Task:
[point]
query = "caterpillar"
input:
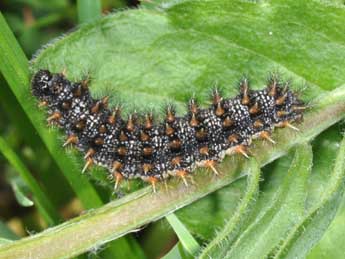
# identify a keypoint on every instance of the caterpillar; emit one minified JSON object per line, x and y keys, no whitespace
{"x":140,"y":147}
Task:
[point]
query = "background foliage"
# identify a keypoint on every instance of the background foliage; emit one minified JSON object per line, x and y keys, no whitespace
{"x":165,"y":52}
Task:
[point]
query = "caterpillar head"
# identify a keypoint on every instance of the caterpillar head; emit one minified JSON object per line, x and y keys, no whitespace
{"x":46,"y":85}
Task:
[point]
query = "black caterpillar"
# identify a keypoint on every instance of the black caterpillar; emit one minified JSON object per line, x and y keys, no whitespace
{"x":140,"y":148}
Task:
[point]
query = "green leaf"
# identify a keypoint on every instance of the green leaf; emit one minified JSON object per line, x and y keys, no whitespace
{"x":272,"y":225}
{"x":298,"y":238}
{"x":186,"y":239}
{"x":328,"y":247}
{"x":325,"y":149}
{"x":214,"y":209}
{"x":20,"y":195}
{"x":311,"y":228}
{"x":236,"y":224}
{"x":155,"y":57}
{"x":330,"y":244}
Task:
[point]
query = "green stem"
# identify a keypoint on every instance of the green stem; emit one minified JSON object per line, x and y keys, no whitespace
{"x":252,"y":191}
{"x":128,"y":214}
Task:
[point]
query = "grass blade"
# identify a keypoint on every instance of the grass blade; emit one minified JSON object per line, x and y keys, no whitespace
{"x":43,"y":203}
{"x":186,"y":239}
{"x":177,"y":252}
